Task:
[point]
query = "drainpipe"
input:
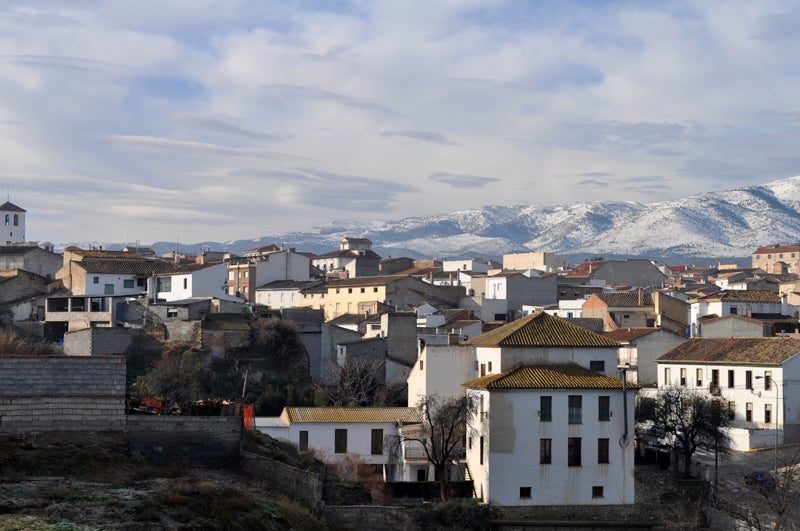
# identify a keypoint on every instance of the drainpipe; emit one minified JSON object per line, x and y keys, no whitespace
{"x":624,"y":403}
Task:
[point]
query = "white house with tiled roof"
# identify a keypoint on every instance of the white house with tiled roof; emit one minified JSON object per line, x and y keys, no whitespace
{"x":337,"y":433}
{"x":551,"y":434}
{"x":736,"y":302}
{"x":757,"y":381}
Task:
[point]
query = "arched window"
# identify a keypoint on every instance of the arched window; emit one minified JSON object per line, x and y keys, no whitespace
{"x":7,"y":219}
{"x":16,"y":219}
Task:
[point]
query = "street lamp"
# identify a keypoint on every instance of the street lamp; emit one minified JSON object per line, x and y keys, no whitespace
{"x":777,"y":397}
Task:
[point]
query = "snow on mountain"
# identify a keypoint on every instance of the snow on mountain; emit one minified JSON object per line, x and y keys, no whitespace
{"x":714,"y":224}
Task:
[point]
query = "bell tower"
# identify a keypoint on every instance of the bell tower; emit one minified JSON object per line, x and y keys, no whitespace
{"x":12,"y":224}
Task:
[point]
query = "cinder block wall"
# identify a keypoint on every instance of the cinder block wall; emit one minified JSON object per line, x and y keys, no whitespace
{"x":62,"y":393}
{"x":101,"y":341}
{"x":209,"y":441}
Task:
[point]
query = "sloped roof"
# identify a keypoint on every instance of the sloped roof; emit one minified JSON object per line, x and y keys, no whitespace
{"x":556,"y":376}
{"x":540,"y":329}
{"x":749,"y":351}
{"x":408,"y":415}
{"x":98,"y":253}
{"x":778,"y":249}
{"x":625,"y":335}
{"x":362,"y":254}
{"x":742,"y":295}
{"x":11,"y":207}
{"x":189,"y":268}
{"x":126,"y":267}
{"x":625,"y":298}
{"x":584,"y":269}
{"x":290,"y":284}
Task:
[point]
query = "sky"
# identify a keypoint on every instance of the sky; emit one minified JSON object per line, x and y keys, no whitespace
{"x":201,"y":120}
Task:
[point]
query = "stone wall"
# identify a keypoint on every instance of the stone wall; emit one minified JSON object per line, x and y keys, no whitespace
{"x":60,"y":393}
{"x":208,"y":441}
{"x":295,"y":482}
{"x":372,"y":517}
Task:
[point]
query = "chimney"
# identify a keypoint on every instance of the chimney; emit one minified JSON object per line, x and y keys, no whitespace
{"x":640,"y":297}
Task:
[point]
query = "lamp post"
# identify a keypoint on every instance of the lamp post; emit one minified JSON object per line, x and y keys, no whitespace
{"x":777,"y":405}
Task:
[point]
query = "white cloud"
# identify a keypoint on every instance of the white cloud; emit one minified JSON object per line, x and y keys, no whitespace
{"x":223,"y":120}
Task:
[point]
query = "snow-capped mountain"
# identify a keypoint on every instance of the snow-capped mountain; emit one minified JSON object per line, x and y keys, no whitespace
{"x":731,"y":223}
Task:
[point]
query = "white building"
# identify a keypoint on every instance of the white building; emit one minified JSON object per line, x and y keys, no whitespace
{"x":196,"y":280}
{"x":292,"y":294}
{"x":335,"y":433}
{"x":749,"y":303}
{"x":13,"y":219}
{"x":475,"y":265}
{"x":757,"y":381}
{"x":579,"y":422}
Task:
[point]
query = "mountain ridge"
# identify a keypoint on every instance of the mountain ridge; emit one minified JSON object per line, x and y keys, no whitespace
{"x":730,"y":223}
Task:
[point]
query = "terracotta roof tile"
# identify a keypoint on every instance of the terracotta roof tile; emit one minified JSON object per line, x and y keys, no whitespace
{"x":741,"y":295}
{"x":749,"y":351}
{"x":128,"y":267}
{"x":779,"y":249}
{"x":625,"y":298}
{"x":625,"y":335}
{"x":557,"y":376}
{"x":541,"y":330}
{"x":408,"y":415}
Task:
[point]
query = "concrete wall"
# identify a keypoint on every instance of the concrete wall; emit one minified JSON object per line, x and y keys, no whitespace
{"x":372,"y":517}
{"x":297,"y":483}
{"x":101,"y":341}
{"x":211,"y":441}
{"x":59,"y":393}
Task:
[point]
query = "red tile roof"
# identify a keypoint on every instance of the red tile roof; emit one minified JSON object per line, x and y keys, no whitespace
{"x":748,"y":351}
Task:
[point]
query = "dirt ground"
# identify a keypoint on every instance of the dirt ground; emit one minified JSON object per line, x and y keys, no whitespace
{"x":71,"y":485}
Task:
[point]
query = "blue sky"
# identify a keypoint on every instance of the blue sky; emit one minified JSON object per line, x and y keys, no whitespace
{"x":216,"y":120}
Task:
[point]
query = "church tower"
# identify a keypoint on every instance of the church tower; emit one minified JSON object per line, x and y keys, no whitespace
{"x":12,"y":222}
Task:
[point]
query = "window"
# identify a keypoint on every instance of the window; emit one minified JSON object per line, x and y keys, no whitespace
{"x":699,"y":377}
{"x":767,"y":413}
{"x":95,"y":280}
{"x":748,"y":413}
{"x":574,"y":451}
{"x":340,"y":441}
{"x":16,"y":219}
{"x":302,"y":443}
{"x":422,"y":365}
{"x":490,"y":366}
{"x":597,"y":366}
{"x":545,"y":451}
{"x":731,"y":380}
{"x":748,"y":379}
{"x":363,"y":289}
{"x":108,"y":289}
{"x":597,"y":491}
{"x":127,"y":283}
{"x":337,"y":290}
{"x":602,"y":451}
{"x":604,"y":408}
{"x":483,"y":369}
{"x":575,"y":405}
{"x":545,"y":408}
{"x":767,"y":380}
{"x":377,"y":441}
{"x":480,"y":449}
{"x":731,"y":410}
{"x":683,"y":377}
{"x":374,"y":290}
{"x":667,"y":376}
{"x":349,"y":290}
{"x":715,"y":378}
{"x":734,"y":310}
{"x":165,"y":284}
{"x":525,"y":492}
{"x":172,"y":312}
{"x":185,"y":283}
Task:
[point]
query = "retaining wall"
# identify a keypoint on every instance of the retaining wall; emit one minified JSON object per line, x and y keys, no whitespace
{"x":208,"y":441}
{"x":298,"y":483}
{"x":371,"y":517}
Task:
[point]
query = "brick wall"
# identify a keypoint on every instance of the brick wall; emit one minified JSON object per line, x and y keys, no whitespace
{"x":60,"y":393}
{"x":208,"y":441}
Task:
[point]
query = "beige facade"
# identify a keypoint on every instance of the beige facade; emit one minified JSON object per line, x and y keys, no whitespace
{"x":778,"y":259}
{"x":535,"y":260}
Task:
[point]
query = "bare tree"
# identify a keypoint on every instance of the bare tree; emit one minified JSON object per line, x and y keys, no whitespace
{"x":362,"y":382}
{"x":441,"y":434}
{"x":693,"y":419}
